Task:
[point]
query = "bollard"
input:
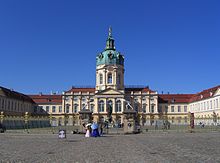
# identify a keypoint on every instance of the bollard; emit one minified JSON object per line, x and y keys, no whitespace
{"x":2,"y":117}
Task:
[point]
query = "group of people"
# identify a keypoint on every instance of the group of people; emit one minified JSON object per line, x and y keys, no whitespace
{"x":92,"y":130}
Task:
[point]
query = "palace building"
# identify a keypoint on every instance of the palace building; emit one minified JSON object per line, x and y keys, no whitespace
{"x":110,"y":98}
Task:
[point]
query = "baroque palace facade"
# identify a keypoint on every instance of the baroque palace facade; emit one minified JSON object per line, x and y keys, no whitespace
{"x":110,"y":98}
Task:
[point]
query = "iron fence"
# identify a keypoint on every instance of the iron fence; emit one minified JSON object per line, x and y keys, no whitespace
{"x":51,"y":124}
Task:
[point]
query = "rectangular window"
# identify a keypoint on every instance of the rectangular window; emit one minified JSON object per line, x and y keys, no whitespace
{"x":172,"y":108}
{"x":152,"y":108}
{"x":2,"y":103}
{"x":144,"y":108}
{"x":67,"y":108}
{"x":185,"y":108}
{"x":35,"y":109}
{"x":216,"y":103}
{"x":12,"y":105}
{"x":47,"y":109}
{"x":100,"y":79}
{"x":9,"y":105}
{"x":75,"y":108}
{"x":53,"y":109}
{"x":60,"y":109}
{"x":179,"y":108}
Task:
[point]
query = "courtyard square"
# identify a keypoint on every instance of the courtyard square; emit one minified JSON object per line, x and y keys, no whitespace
{"x":149,"y":147}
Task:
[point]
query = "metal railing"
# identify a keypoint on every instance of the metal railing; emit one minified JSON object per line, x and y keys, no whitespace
{"x":52,"y":124}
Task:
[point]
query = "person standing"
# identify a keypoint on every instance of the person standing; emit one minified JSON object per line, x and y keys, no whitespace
{"x":88,"y":129}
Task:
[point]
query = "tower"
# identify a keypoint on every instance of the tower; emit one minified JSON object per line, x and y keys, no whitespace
{"x":109,"y":67}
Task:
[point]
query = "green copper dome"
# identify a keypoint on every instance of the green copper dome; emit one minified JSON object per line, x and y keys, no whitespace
{"x":109,"y":55}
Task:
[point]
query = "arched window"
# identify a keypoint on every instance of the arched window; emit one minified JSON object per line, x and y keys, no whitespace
{"x":109,"y":78}
{"x":75,"y":108}
{"x":144,"y":108}
{"x":67,"y":108}
{"x":100,"y":79}
{"x":101,"y":106}
{"x":118,"y":106}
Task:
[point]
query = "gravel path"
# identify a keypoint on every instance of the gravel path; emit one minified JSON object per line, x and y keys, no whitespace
{"x":150,"y":147}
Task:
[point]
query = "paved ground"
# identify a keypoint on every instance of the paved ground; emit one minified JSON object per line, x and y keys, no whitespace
{"x":150,"y":147}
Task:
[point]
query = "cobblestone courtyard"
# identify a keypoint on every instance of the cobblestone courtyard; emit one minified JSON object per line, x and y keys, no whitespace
{"x":149,"y":147}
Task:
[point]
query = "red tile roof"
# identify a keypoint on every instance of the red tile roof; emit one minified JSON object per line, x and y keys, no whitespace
{"x":204,"y":94}
{"x":144,"y":89}
{"x":174,"y":98}
{"x":92,"y":90}
{"x":186,"y":98}
{"x":47,"y":99}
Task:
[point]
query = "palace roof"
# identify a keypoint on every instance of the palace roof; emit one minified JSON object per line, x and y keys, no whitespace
{"x":187,"y":98}
{"x":77,"y":89}
{"x":141,"y":89}
{"x":205,"y":94}
{"x":174,"y":98}
{"x":14,"y":95}
{"x":47,"y":99}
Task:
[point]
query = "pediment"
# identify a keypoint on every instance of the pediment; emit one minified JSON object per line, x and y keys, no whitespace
{"x":110,"y":91}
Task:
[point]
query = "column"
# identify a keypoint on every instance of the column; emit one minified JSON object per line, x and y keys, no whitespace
{"x":80,"y":103}
{"x":105,"y":108}
{"x":114,"y":105}
{"x":122,"y":105}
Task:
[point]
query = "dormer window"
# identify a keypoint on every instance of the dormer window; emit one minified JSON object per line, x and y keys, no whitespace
{"x":211,"y":93}
{"x":110,"y":55}
{"x":201,"y":96}
{"x":100,"y":56}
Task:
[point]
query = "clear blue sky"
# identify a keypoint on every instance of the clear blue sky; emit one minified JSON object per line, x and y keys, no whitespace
{"x":51,"y":45}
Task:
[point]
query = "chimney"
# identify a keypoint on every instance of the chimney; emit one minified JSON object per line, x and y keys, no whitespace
{"x":40,"y":93}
